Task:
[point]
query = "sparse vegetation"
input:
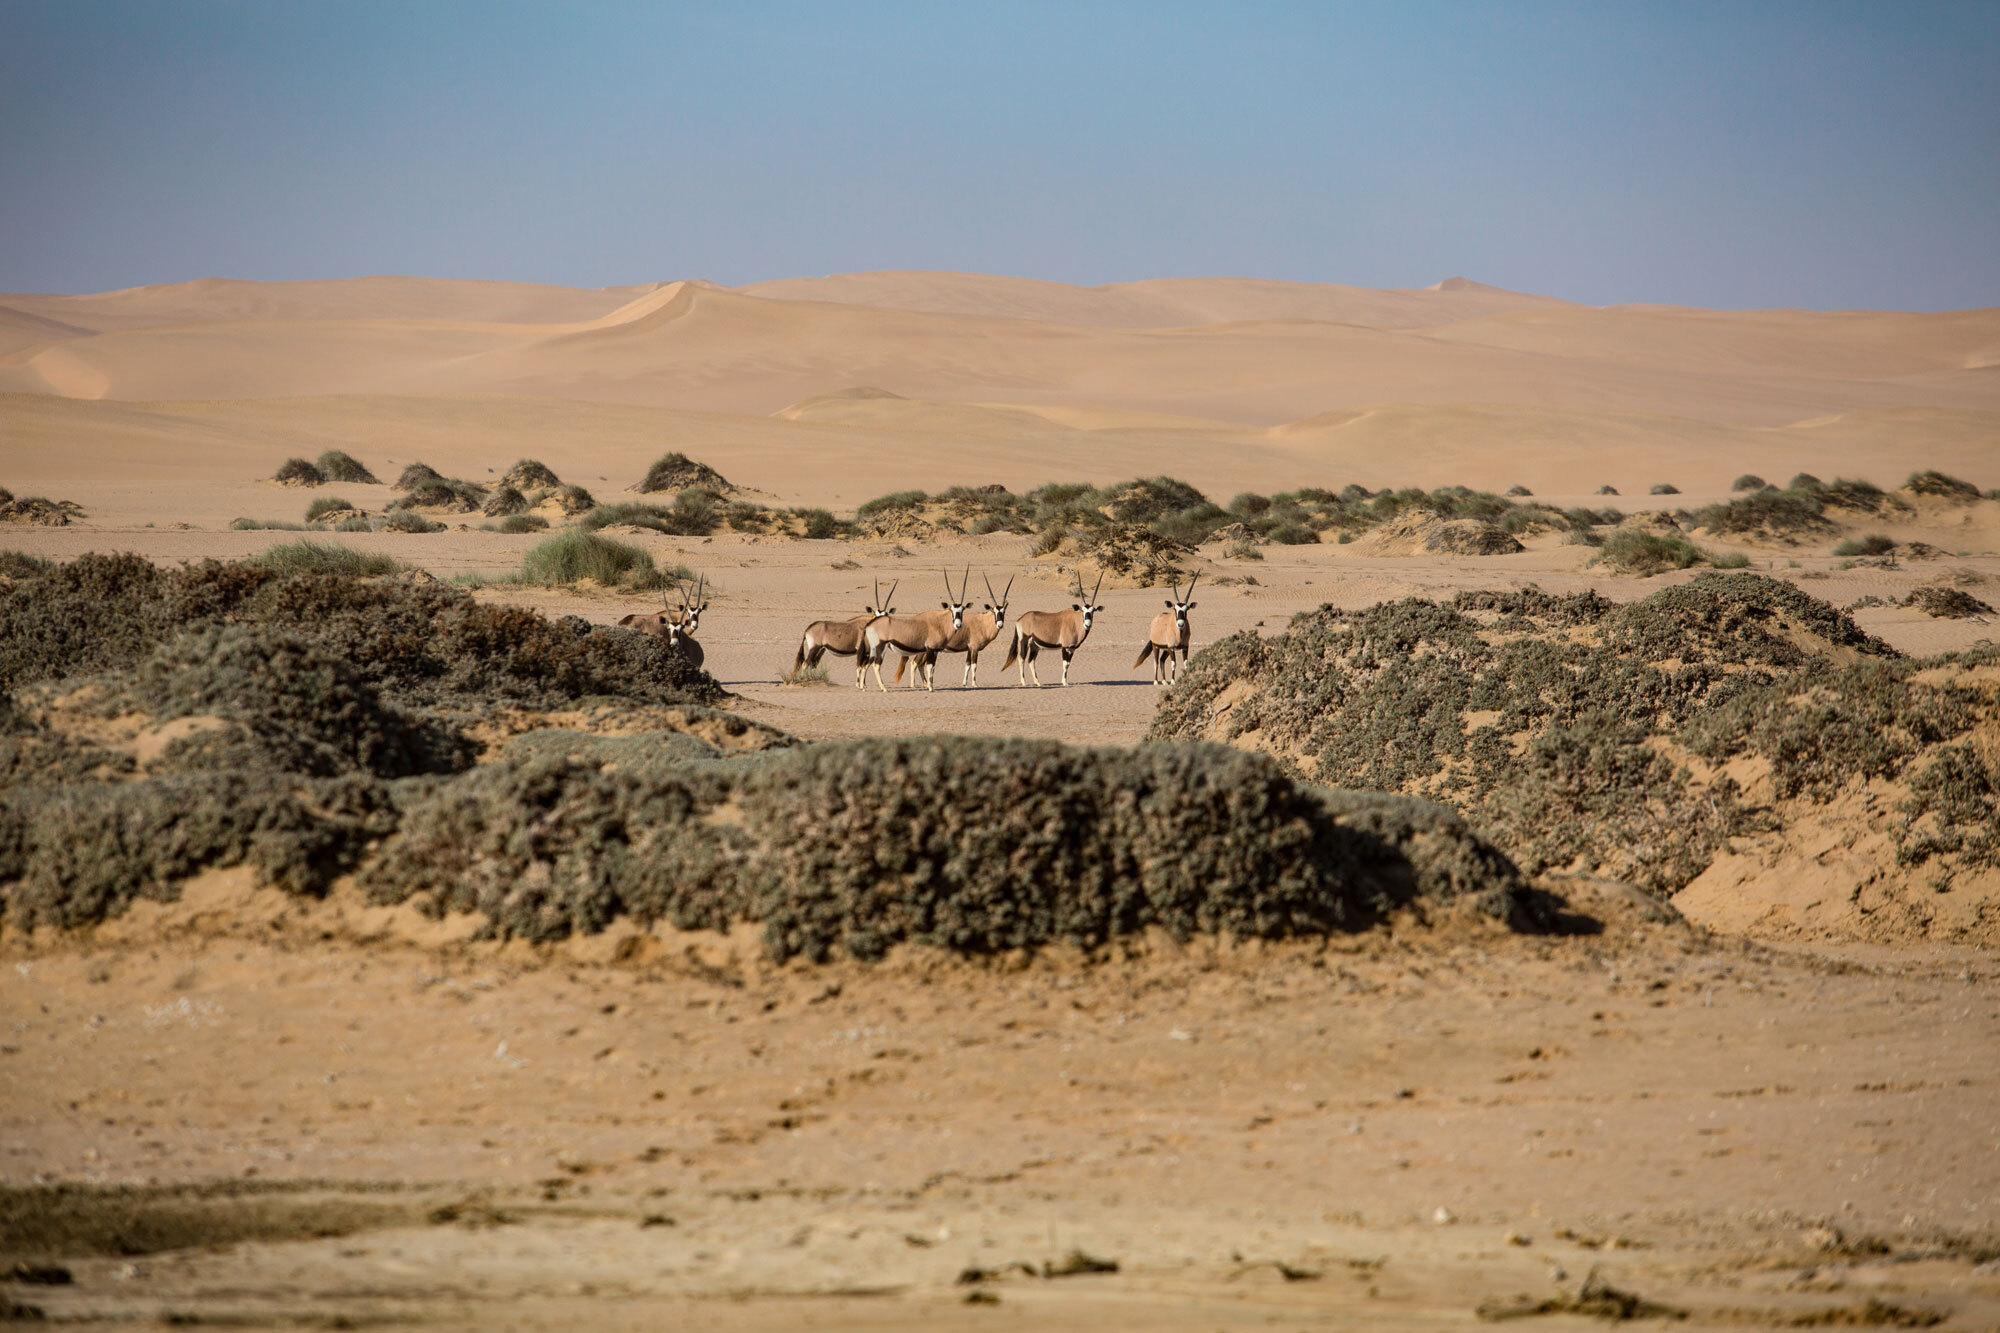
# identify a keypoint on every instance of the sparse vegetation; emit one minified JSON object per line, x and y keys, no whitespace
{"x":676,"y":471}
{"x":1781,"y":515}
{"x":505,"y":502}
{"x":327,"y":505}
{"x":334,"y":465}
{"x":1941,"y":485}
{"x":1631,"y":551}
{"x":1947,"y":603}
{"x":517,"y":524}
{"x":311,"y":557}
{"x":415,"y":475}
{"x":298,"y":472}
{"x":403,"y":520}
{"x":1663,"y":488}
{"x":1874,"y":544}
{"x":530,"y":475}
{"x":1750,"y":481}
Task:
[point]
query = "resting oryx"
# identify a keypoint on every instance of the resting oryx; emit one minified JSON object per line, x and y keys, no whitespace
{"x":677,"y":627}
{"x":1167,"y":640}
{"x":844,"y":637}
{"x":980,"y":629}
{"x":1061,"y":630}
{"x":920,"y":636}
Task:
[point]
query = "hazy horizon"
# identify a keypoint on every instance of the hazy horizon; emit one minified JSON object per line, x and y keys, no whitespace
{"x":1826,"y":156}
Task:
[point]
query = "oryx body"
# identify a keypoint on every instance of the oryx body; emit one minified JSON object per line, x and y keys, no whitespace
{"x":1167,"y":639}
{"x":980,"y":629}
{"x":1064,"y":631}
{"x":676,"y":624}
{"x":920,"y":636}
{"x":845,"y":638}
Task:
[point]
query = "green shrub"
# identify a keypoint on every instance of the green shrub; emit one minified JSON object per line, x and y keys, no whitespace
{"x":335,"y":465}
{"x":20,"y":565}
{"x":1863,"y":496}
{"x":1632,"y":551}
{"x":1518,"y":492}
{"x":1663,"y":488}
{"x":571,"y":556}
{"x":1873,"y":544}
{"x":1145,"y":499}
{"x":1805,"y":481}
{"x":516,"y":524}
{"x":416,"y":474}
{"x":574,"y":500}
{"x":676,"y":471}
{"x":406,"y":520}
{"x":505,"y":502}
{"x":1783,"y":514}
{"x":974,"y":844}
{"x":463,"y":497}
{"x":1750,"y":481}
{"x":819,"y":524}
{"x":530,"y":475}
{"x":1947,"y":603}
{"x":311,"y":557}
{"x":1940,"y":484}
{"x":1249,"y":504}
{"x":1730,"y":560}
{"x":264,"y":524}
{"x":328,"y":504}
{"x":356,"y":522}
{"x":1293,"y":534}
{"x":894,"y":502}
{"x":299,"y":472}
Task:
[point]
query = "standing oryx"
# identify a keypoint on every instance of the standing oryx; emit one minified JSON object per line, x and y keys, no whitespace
{"x":1061,"y":630}
{"x":920,"y":636}
{"x":980,"y":629}
{"x":677,"y":627}
{"x":1167,"y":640}
{"x":844,"y":637}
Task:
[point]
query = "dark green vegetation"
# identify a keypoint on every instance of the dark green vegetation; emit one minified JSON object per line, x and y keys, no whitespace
{"x":1666,"y":488}
{"x":1633,"y":551}
{"x":299,"y":472}
{"x":329,"y":504}
{"x":311,"y":557}
{"x":1577,"y":733}
{"x":1874,"y":544}
{"x":1750,"y":481}
{"x":573,"y":555}
{"x":676,"y":471}
{"x":1948,"y":603}
{"x":334,"y":465}
{"x":314,"y":724}
{"x":1940,"y":484}
{"x":973,"y":844}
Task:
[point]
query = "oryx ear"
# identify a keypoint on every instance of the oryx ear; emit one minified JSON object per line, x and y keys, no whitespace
{"x":945,"y":605}
{"x":1193,"y":605}
{"x":1170,"y":604}
{"x":1076,"y":606}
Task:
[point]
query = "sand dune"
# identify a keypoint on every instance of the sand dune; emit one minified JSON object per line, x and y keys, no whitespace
{"x":829,"y":390}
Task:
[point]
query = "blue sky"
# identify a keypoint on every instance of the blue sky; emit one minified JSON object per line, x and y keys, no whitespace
{"x":1819,"y":154}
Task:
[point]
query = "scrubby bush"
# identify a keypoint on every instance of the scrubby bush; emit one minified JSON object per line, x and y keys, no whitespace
{"x":21,"y":565}
{"x":1940,"y":484}
{"x":979,"y":845}
{"x":1749,"y":481}
{"x":416,"y":474}
{"x":1607,"y":490}
{"x":1873,"y":544}
{"x":505,"y":502}
{"x":1632,"y":551}
{"x":516,"y":524}
{"x":676,"y":471}
{"x":1781,"y":514}
{"x":1663,"y":488}
{"x":1863,"y":496}
{"x":895,"y":501}
{"x":335,"y":465}
{"x":1729,"y":560}
{"x":328,"y":504}
{"x":1293,"y":534}
{"x":356,"y":522}
{"x":818,"y":524}
{"x":462,"y":497}
{"x":569,"y":557}
{"x":1948,"y":603}
{"x":299,"y":472}
{"x":405,"y":520}
{"x":1518,"y":492}
{"x":264,"y":524}
{"x":530,"y":475}
{"x":574,"y":500}
{"x":311,"y":557}
{"x":1805,"y":481}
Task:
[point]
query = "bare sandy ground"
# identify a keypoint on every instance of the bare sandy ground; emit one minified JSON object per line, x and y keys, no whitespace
{"x":334,"y":1113}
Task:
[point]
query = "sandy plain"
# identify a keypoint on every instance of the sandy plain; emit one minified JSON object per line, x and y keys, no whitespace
{"x":332,"y":1112}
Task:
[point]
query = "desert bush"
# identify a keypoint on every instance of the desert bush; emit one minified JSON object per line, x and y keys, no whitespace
{"x":21,"y":565}
{"x":530,"y":475}
{"x":1781,"y":514}
{"x":1947,"y":603}
{"x":1242,"y":550}
{"x":1607,"y":490}
{"x":1933,"y":482}
{"x":893,"y":502}
{"x":1863,"y":496}
{"x":1663,"y":488}
{"x":298,"y":472}
{"x":356,"y":522}
{"x":1145,"y":499}
{"x":676,"y":471}
{"x":1632,"y":551}
{"x":311,"y":557}
{"x":505,"y":502}
{"x":819,"y":524}
{"x":980,"y":845}
{"x":1729,"y":560}
{"x":416,"y":474}
{"x":574,"y":500}
{"x":516,"y":524}
{"x":335,"y":465}
{"x":569,"y":557}
{"x":404,"y":520}
{"x":1749,"y":481}
{"x":1249,"y":504}
{"x":328,"y":504}
{"x":263,"y":525}
{"x":1874,"y":543}
{"x":1518,"y":492}
{"x":1805,"y":481}
{"x":1293,"y":534}
{"x":462,"y":497}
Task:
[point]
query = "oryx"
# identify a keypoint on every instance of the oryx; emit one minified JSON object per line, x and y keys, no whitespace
{"x":677,"y":627}
{"x":1167,"y":640}
{"x":980,"y":629}
{"x":844,"y":637}
{"x":1061,"y":630}
{"x":920,"y":636}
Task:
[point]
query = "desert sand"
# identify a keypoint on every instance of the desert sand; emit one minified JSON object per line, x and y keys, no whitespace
{"x":1751,"y":1112}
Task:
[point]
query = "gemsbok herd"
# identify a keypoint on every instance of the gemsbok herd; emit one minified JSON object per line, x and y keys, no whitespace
{"x":954,"y":627}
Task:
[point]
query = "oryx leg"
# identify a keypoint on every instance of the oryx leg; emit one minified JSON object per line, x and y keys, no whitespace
{"x":1033,"y":651}
{"x":1067,"y":654}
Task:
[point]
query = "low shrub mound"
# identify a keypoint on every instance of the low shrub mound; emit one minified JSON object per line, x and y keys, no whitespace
{"x":1942,"y":485}
{"x":397,"y":520}
{"x":37,"y":510}
{"x":529,"y":476}
{"x":1874,"y":544}
{"x":311,"y":557}
{"x":416,"y":474}
{"x":1607,"y":490}
{"x":1664,"y":488}
{"x":1863,"y":497}
{"x":446,"y":493}
{"x":979,"y":845}
{"x":505,"y":502}
{"x":1518,"y":492}
{"x":1777,"y":515}
{"x":574,"y":500}
{"x":299,"y":472}
{"x":1749,"y":481}
{"x":1947,"y":603}
{"x":1635,"y":551}
{"x":335,"y":465}
{"x":676,"y":471}
{"x":1550,"y":721}
{"x":1424,"y":530}
{"x":516,"y":524}
{"x":569,"y":557}
{"x":329,"y":506}
{"x":692,"y":514}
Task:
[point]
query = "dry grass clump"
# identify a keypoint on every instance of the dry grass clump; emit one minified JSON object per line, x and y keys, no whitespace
{"x":1774,"y":514}
{"x":1874,"y":544}
{"x":37,"y":510}
{"x":529,"y":475}
{"x":447,"y":493}
{"x":328,"y":506}
{"x":1633,"y":551}
{"x":517,"y":524}
{"x":676,"y":471}
{"x":1942,"y":485}
{"x":398,"y":520}
{"x":980,"y":845}
{"x":311,"y":557}
{"x":505,"y":502}
{"x":415,"y":474}
{"x":1947,"y":603}
{"x":299,"y":472}
{"x":1664,"y":488}
{"x":334,"y":465}
{"x":1542,"y":717}
{"x":1750,"y":481}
